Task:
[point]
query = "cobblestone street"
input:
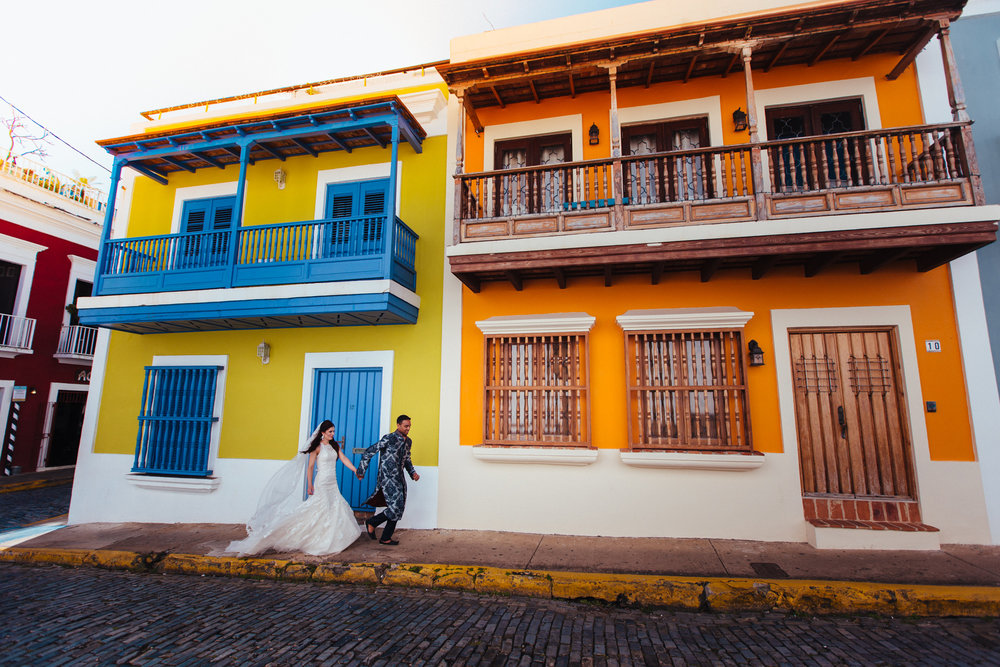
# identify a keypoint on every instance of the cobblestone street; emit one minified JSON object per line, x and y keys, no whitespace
{"x":57,"y":616}
{"x":19,"y":508}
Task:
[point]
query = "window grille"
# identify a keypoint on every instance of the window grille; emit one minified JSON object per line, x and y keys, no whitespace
{"x":537,"y":390}
{"x":175,"y":420}
{"x":687,"y":391}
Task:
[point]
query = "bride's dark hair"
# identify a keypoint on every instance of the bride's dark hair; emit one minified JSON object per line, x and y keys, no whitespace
{"x":318,"y":438}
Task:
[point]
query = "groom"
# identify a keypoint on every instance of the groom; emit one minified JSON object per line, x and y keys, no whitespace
{"x":394,"y":456}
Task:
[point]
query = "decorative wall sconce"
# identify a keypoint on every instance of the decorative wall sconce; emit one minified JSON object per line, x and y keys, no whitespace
{"x":279,"y":178}
{"x":740,"y":120}
{"x":756,"y":354}
{"x":32,"y":391}
{"x":595,"y":135}
{"x":264,"y":353}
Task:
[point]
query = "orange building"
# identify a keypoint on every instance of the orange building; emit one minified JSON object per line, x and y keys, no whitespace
{"x":700,"y":278}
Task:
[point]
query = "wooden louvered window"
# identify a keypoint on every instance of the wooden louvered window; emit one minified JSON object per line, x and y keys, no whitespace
{"x":537,"y":390}
{"x":687,"y":391}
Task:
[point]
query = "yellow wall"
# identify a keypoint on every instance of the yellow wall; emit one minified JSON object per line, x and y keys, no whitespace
{"x":899,"y":101}
{"x":262,"y":403}
{"x":927,"y":294}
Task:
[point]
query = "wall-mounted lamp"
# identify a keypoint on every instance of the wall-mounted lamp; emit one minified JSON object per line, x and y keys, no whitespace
{"x":740,"y":120}
{"x":595,"y":135}
{"x":756,"y":354}
{"x":264,"y":352}
{"x":32,"y":391}
{"x":279,"y":178}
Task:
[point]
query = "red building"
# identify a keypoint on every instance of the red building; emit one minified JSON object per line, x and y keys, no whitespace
{"x":49,"y":232}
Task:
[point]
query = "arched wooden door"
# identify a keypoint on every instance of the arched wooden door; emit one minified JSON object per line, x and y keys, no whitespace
{"x":850,"y":414}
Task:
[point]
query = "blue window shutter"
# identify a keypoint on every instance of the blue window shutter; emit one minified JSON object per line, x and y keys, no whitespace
{"x":194,"y":214}
{"x":175,"y":420}
{"x":202,"y":215}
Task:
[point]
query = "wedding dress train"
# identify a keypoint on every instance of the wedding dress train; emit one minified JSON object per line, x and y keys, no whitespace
{"x":321,"y":524}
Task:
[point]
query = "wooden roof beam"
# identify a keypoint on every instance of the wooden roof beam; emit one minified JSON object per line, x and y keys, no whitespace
{"x":470,"y":111}
{"x":272,"y":151}
{"x":470,"y":281}
{"x":211,"y":161}
{"x":912,"y":53}
{"x":732,"y":62}
{"x":877,"y":260}
{"x":820,"y":262}
{"x":382,"y":144}
{"x":149,"y":171}
{"x":500,"y":99}
{"x":657,"y":272}
{"x":560,"y":277}
{"x":572,"y":87}
{"x":649,"y":75}
{"x":827,"y":47}
{"x":777,"y":56}
{"x":709,"y":268}
{"x":514,"y":279}
{"x":306,"y":147}
{"x":687,"y":75}
{"x":762,"y":266}
{"x":870,"y":45}
{"x":534,"y":93}
{"x":337,"y":141}
{"x":177,"y":163}
{"x":932,"y":260}
{"x":231,"y":150}
{"x":608,"y":276}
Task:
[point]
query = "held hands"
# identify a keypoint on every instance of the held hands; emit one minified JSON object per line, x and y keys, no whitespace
{"x":309,"y":490}
{"x":416,"y":477}
{"x":358,"y":475}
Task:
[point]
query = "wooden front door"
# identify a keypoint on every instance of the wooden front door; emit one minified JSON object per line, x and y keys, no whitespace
{"x":850,"y":414}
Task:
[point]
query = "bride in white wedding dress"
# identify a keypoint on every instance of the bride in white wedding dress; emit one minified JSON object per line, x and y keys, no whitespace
{"x":316,"y":522}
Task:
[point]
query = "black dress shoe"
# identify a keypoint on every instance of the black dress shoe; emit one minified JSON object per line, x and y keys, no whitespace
{"x":370,"y":529}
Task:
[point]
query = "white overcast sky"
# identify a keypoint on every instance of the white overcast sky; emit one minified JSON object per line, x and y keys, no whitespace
{"x":86,"y":69}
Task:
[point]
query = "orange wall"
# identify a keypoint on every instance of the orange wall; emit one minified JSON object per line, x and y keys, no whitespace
{"x":899,"y":101}
{"x":928,"y":295}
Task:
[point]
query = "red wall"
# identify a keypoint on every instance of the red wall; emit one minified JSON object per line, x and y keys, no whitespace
{"x":47,"y":305}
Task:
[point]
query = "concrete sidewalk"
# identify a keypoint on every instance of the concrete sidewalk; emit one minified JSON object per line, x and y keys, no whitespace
{"x":691,"y":574}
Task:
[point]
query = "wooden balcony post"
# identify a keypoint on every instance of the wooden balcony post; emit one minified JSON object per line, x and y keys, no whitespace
{"x":109,"y":218}
{"x":760,"y":195}
{"x":390,"y":224}
{"x":459,"y":166}
{"x":618,"y":191}
{"x":959,"y":113}
{"x":241,"y":188}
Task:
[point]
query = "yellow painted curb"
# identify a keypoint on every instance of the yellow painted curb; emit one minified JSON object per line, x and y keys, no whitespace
{"x":33,"y":484}
{"x":687,"y":593}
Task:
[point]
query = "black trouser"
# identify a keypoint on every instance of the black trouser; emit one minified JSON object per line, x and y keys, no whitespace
{"x":390,"y":525}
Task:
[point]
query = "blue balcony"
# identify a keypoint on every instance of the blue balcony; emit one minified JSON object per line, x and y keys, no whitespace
{"x":280,"y":254}
{"x":338,"y":271}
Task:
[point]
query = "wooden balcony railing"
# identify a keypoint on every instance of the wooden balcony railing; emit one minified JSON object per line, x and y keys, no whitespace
{"x":899,"y":168}
{"x":284,"y":253}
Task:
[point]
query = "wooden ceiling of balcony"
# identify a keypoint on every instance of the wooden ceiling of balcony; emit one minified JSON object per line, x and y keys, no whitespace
{"x":790,"y":37}
{"x":926,"y":247}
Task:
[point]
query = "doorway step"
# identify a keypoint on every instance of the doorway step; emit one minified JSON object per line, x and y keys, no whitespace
{"x":852,"y":523}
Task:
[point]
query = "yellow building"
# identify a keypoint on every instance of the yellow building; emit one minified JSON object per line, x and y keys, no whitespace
{"x":276,"y":259}
{"x":701,"y":281}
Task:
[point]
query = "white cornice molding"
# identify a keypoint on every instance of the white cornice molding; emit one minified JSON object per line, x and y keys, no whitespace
{"x":537,"y":324}
{"x":566,"y":456}
{"x":19,"y":249}
{"x":48,"y":219}
{"x":668,"y":319}
{"x":429,"y":108}
{"x":83,"y":264}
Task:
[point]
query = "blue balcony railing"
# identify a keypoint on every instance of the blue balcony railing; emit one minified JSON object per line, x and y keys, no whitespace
{"x":278,"y":254}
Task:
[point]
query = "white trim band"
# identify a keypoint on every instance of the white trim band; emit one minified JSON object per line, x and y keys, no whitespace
{"x":684,"y":318}
{"x":537,"y":324}
{"x":189,"y":484}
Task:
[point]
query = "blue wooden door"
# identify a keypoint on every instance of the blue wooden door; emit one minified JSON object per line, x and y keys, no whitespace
{"x":357,"y":214}
{"x":351,"y":398}
{"x":207,"y":225}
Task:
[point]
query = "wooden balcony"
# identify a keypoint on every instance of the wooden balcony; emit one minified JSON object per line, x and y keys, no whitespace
{"x":877,"y":171}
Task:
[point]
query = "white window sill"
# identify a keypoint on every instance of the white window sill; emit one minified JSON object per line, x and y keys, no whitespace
{"x":566,"y":456}
{"x":693,"y":460}
{"x":183,"y":484}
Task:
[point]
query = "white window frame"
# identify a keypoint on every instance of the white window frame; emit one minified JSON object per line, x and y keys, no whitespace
{"x":25,"y":253}
{"x":182,"y":195}
{"x":364,"y":172}
{"x":314,"y":361}
{"x":80,"y":269}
